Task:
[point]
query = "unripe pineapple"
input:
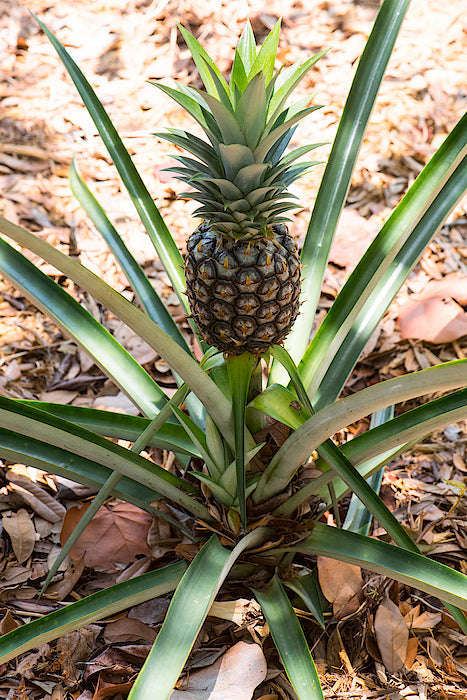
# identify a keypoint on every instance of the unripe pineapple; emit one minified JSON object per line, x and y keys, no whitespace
{"x":242,"y":266}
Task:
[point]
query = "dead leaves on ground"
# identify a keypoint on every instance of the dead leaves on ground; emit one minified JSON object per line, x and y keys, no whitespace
{"x":436,"y":314}
{"x":115,"y":535}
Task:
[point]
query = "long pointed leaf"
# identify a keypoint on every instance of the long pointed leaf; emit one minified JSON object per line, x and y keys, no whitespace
{"x":185,"y":616}
{"x":386,"y":288}
{"x":240,"y":369}
{"x":144,"y":290}
{"x":389,"y":259}
{"x":91,"y":609}
{"x":386,"y":559}
{"x":338,"y":172}
{"x":185,"y":366}
{"x":290,"y":641}
{"x":326,"y":422}
{"x":78,"y":324}
{"x":150,"y":216}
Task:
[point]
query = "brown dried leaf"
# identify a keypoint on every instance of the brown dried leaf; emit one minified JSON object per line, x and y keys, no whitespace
{"x":436,"y":314}
{"x":353,"y":236}
{"x":115,"y":534}
{"x":234,"y":676}
{"x":8,"y":622}
{"x":22,"y":534}
{"x":392,"y":635}
{"x":60,"y":589}
{"x":341,"y":584}
{"x":38,"y":499}
{"x":128,"y":629}
{"x":412,"y":648}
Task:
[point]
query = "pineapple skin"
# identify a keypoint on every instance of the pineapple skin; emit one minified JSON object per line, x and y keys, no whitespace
{"x":243,"y":293}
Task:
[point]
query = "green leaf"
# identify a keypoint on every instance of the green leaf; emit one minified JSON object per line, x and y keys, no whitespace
{"x":266,"y":58}
{"x":239,"y":369}
{"x":383,"y":443}
{"x":386,"y":288}
{"x":120,"y":426}
{"x":23,"y":449}
{"x":358,"y":518}
{"x":287,"y":82}
{"x":235,"y":156}
{"x":290,"y":641}
{"x":143,"y":289}
{"x":181,"y":362}
{"x":104,"y":492}
{"x":203,"y":63}
{"x":191,"y":143}
{"x":90,"y":609}
{"x":282,"y":405}
{"x":198,"y":437}
{"x":341,"y":464}
{"x":261,"y":151}
{"x":327,"y":421}
{"x":150,"y":216}
{"x":225,"y":120}
{"x":34,"y":423}
{"x":189,"y":607}
{"x":338,"y":172}
{"x":407,"y":567}
{"x":83,"y":328}
{"x":252,"y":121}
{"x":246,"y":47}
{"x":306,"y":587}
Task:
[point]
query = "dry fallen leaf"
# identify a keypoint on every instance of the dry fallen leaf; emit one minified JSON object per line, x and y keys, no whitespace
{"x":392,"y":635}
{"x":436,"y":314}
{"x":353,"y":236}
{"x":234,"y":676}
{"x":115,"y":534}
{"x":128,"y":629}
{"x":22,"y":534}
{"x":341,"y":584}
{"x":60,"y":589}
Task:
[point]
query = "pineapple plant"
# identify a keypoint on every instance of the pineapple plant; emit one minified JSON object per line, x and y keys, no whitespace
{"x":264,"y":522}
{"x":242,"y":265}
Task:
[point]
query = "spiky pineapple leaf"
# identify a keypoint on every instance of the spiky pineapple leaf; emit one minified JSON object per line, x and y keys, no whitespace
{"x":192,"y":144}
{"x":226,"y":122}
{"x":266,"y":57}
{"x":235,"y":156}
{"x":248,"y":177}
{"x":198,"y":437}
{"x":288,"y":81}
{"x":252,"y":120}
{"x":261,"y":151}
{"x":246,"y":47}
{"x":189,"y":104}
{"x":204,"y":64}
{"x":238,"y":78}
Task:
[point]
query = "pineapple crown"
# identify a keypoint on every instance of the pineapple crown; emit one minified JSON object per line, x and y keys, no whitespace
{"x":241,"y":176}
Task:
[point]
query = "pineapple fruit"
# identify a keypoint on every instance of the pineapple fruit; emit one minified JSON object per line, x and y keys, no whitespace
{"x":242,"y":266}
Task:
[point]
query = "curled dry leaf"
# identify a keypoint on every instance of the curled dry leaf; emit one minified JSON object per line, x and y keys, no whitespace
{"x":341,"y":584}
{"x":436,"y":314}
{"x":38,"y":499}
{"x":242,"y":612}
{"x":392,"y":635}
{"x":234,"y":676}
{"x":116,"y":534}
{"x":22,"y":534}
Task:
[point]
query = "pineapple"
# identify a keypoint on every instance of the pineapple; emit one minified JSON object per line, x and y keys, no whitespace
{"x":242,"y":266}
